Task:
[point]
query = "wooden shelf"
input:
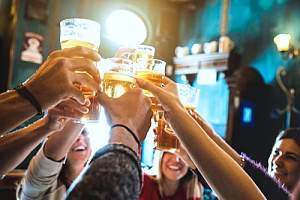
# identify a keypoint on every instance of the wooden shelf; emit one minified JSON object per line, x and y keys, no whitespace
{"x":191,"y":64}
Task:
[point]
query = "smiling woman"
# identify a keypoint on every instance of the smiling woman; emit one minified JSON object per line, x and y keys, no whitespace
{"x":174,"y":181}
{"x":126,"y":28}
{"x":51,"y":172}
{"x":284,"y":161}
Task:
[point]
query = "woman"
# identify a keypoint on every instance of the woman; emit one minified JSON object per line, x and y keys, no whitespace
{"x":284,"y":161}
{"x":267,"y":183}
{"x":60,"y":160}
{"x":175,"y":181}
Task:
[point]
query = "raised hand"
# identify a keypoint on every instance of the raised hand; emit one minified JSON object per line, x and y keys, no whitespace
{"x":167,"y":95}
{"x":132,"y":109}
{"x":70,"y":109}
{"x":58,"y":76}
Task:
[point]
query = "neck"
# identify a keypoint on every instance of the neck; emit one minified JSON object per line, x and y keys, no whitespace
{"x":169,"y":187}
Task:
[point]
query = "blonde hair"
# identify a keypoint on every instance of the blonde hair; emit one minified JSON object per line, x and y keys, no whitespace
{"x":189,"y":181}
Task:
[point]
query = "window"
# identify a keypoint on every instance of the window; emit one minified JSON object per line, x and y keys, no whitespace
{"x":125,"y":27}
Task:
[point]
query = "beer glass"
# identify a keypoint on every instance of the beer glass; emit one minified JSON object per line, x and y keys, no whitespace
{"x":79,"y":32}
{"x":188,"y":95}
{"x":82,"y":32}
{"x":165,"y":138}
{"x":119,"y":76}
{"x":136,"y":53}
{"x":152,"y":70}
{"x":143,"y":52}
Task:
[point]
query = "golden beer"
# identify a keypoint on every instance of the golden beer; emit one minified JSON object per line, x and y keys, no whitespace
{"x":115,"y":84}
{"x":157,"y":79}
{"x":165,"y":139}
{"x":85,"y":33}
{"x":94,"y":107}
{"x":73,"y":43}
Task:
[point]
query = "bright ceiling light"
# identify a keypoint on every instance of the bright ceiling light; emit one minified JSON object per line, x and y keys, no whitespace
{"x":126,"y":28}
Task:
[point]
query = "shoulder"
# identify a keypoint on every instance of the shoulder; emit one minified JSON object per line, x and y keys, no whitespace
{"x":269,"y":186}
{"x":150,"y":188}
{"x":149,"y":180}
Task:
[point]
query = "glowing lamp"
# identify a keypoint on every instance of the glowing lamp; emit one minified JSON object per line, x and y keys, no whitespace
{"x":284,"y":46}
{"x":282,"y":42}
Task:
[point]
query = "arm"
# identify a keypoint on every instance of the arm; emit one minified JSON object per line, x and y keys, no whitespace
{"x":44,"y":169}
{"x":10,"y":105}
{"x":59,"y":143}
{"x":15,"y":146}
{"x":268,"y":185}
{"x":41,"y":178}
{"x":216,"y":138}
{"x":115,"y":172}
{"x":219,"y":169}
{"x":60,"y":67}
{"x":222,"y":173}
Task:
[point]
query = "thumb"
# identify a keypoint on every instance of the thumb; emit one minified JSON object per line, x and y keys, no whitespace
{"x":77,"y":95}
{"x":103,"y":99}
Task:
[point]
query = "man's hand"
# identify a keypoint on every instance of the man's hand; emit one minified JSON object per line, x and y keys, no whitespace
{"x":70,"y":109}
{"x":167,"y":95}
{"x":133,"y":109}
{"x":59,"y":76}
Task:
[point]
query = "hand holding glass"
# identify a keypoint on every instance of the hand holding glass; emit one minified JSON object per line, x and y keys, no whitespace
{"x":152,"y":70}
{"x":165,"y":137}
{"x":82,"y":32}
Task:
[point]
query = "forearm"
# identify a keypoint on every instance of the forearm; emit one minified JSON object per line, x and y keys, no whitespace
{"x":42,"y":174}
{"x":14,"y":110}
{"x":219,"y":141}
{"x":218,"y":168}
{"x":59,"y":143}
{"x":114,"y":174}
{"x":120,"y":136}
{"x":15,"y":146}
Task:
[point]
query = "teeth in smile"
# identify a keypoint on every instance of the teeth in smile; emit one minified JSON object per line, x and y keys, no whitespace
{"x":79,"y":148}
{"x":174,"y":167}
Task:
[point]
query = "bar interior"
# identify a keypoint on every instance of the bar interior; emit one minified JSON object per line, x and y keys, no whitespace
{"x":221,"y":76}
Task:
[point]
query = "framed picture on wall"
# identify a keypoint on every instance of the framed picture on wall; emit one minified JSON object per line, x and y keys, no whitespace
{"x":32,"y":48}
{"x":37,"y":10}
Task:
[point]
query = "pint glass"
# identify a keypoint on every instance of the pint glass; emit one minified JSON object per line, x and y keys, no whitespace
{"x":118,"y":76}
{"x":82,"y":32}
{"x":165,"y":138}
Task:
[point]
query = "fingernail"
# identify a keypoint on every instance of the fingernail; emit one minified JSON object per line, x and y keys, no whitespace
{"x":85,"y":110}
{"x":62,"y":120}
{"x":87,"y":102}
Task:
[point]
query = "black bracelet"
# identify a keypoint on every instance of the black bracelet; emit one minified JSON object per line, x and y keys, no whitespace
{"x":24,"y":92}
{"x":131,"y":133}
